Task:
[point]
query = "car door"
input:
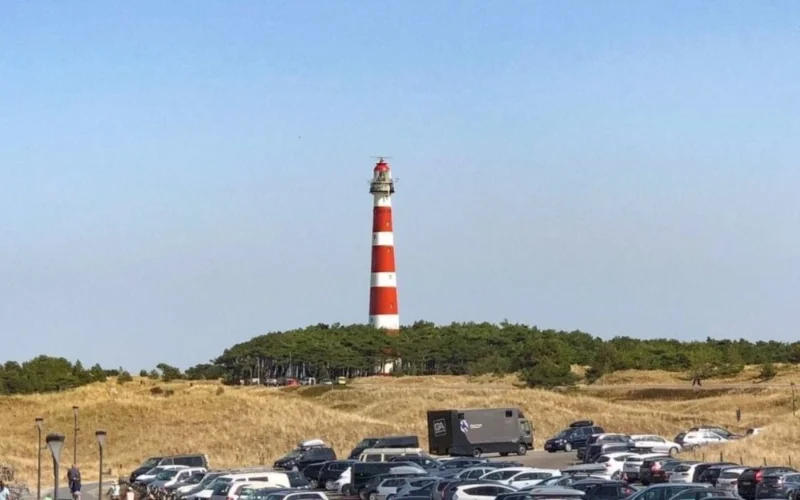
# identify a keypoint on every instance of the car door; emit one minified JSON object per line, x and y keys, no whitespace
{"x":526,"y":479}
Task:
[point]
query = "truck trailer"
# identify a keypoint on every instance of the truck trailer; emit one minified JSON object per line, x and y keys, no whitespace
{"x":477,"y":431}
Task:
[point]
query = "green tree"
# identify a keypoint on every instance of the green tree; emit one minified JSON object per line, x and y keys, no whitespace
{"x":768,"y":371}
{"x":169,"y":373}
{"x":143,"y":373}
{"x":124,"y":377}
{"x":97,"y":374}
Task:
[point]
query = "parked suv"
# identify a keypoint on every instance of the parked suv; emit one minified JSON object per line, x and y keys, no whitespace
{"x":409,"y":441}
{"x":306,"y":453}
{"x":747,"y":483}
{"x":779,"y":485}
{"x":605,"y":443}
{"x":574,"y":437}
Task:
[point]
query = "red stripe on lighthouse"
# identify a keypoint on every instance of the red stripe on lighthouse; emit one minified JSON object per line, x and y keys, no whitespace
{"x":382,"y":300}
{"x":382,"y":219}
{"x":382,"y":259}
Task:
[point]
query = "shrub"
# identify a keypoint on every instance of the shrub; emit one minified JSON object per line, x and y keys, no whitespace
{"x":124,"y":377}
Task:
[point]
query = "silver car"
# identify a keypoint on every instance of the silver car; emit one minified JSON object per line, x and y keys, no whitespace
{"x":729,"y":477}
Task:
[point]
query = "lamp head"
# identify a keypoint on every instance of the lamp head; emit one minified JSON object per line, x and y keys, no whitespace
{"x":75,"y":410}
{"x":55,"y":442}
{"x":101,"y":437}
{"x":39,"y":422}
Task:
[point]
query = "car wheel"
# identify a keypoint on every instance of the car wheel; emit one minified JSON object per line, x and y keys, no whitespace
{"x":476,"y":452}
{"x":522,"y":449}
{"x":390,"y":497}
{"x":330,"y":485}
{"x":362,"y":495}
{"x":373,"y":496}
{"x":346,"y":490}
{"x":673,"y":451}
{"x":313,"y":484}
{"x":568,"y":447}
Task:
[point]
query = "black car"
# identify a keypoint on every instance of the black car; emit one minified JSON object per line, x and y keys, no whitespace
{"x":779,"y":485}
{"x":574,"y":437}
{"x":711,"y":474}
{"x":330,"y":472}
{"x":311,"y":472}
{"x":700,"y":469}
{"x":191,"y":460}
{"x":651,"y":470}
{"x":595,"y":451}
{"x":600,"y":439}
{"x":605,"y":490}
{"x":748,"y":481}
{"x":301,"y":457}
{"x":704,"y":494}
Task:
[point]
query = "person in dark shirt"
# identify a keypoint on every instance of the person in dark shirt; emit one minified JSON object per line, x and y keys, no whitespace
{"x":74,"y":478}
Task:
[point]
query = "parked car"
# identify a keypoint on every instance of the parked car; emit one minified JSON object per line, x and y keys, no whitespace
{"x":520,"y":477}
{"x":704,"y":494}
{"x":650,"y":443}
{"x":172,"y":477}
{"x":695,"y":439}
{"x":307,"y":453}
{"x":711,"y":474}
{"x":603,"y":439}
{"x":613,"y":463}
{"x":728,"y":477}
{"x":779,"y":485}
{"x":189,"y":460}
{"x":663,"y":491}
{"x":748,"y":480}
{"x":631,"y":469}
{"x":700,"y":475}
{"x":654,"y":470}
{"x":605,"y":490}
{"x":482,"y":491}
{"x":416,"y":486}
{"x":721,"y":431}
{"x":683,"y":472}
{"x":152,"y":475}
{"x":330,"y":472}
{"x":573,"y":437}
{"x":555,"y":494}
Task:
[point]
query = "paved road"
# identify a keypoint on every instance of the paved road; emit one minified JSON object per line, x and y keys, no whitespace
{"x":88,"y":491}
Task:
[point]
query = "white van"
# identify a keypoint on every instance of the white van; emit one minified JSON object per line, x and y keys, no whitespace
{"x":383,"y":454}
{"x":219,"y":486}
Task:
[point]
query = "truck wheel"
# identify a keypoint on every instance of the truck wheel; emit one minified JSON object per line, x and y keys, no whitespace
{"x":476,"y":452}
{"x":568,"y":447}
{"x":522,"y":449}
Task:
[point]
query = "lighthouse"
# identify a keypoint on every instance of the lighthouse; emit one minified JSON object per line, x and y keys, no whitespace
{"x":383,"y":280}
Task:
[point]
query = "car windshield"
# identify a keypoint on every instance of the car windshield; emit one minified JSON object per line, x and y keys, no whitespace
{"x":154,"y":472}
{"x":293,"y":454}
{"x":563,"y":434}
{"x":221,"y":488}
{"x":167,"y":474}
{"x":501,"y":474}
{"x":151,"y":462}
{"x":366,"y":443}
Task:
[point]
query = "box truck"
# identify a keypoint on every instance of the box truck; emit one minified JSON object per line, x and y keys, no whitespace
{"x":473,"y":432}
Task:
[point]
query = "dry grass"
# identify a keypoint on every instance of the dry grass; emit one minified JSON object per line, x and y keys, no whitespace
{"x":251,"y":425}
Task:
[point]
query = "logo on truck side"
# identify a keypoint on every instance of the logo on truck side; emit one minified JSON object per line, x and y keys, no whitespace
{"x":439,"y":429}
{"x":464,"y":426}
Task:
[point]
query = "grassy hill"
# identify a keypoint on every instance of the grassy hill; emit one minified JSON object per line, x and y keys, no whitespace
{"x":252,"y":425}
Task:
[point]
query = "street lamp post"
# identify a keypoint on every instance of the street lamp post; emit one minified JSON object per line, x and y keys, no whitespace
{"x":55,"y":442}
{"x":75,"y":439}
{"x":39,"y":422}
{"x":101,"y":443}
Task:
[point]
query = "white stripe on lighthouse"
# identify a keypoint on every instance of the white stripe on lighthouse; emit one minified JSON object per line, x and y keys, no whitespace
{"x":383,"y":280}
{"x":383,"y":239}
{"x":385,"y":321}
{"x":382,"y":200}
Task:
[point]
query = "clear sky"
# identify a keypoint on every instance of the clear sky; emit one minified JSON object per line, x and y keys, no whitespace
{"x":176,"y":177}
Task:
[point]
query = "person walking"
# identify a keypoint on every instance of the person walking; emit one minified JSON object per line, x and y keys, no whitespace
{"x":74,"y":479}
{"x":113,"y":492}
{"x":4,"y":493}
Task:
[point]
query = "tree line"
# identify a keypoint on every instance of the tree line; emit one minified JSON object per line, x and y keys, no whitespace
{"x":541,"y":358}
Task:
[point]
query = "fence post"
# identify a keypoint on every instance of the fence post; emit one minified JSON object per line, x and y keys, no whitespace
{"x":790,"y":460}
{"x":721,"y":459}
{"x":741,"y":460}
{"x":765,"y":461}
{"x":704,"y":456}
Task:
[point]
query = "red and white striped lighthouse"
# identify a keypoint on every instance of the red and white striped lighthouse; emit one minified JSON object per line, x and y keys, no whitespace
{"x":383,"y":281}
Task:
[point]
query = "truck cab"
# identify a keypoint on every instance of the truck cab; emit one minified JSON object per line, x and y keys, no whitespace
{"x":526,"y":432}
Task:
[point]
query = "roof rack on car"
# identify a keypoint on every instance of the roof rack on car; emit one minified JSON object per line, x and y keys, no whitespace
{"x":582,"y":423}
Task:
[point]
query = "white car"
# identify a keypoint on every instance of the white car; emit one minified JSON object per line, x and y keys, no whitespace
{"x":153,"y":473}
{"x":729,"y":477}
{"x":520,"y":477}
{"x":474,"y":472}
{"x":701,"y":438}
{"x":479,"y":491}
{"x":613,"y":463}
{"x":683,"y":473}
{"x":344,"y":480}
{"x":655,"y":444}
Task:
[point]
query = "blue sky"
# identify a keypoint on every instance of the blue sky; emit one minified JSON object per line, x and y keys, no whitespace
{"x":179,"y":176}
